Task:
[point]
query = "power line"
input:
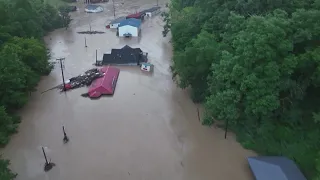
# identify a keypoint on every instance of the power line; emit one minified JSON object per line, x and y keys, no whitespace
{"x":114,"y":9}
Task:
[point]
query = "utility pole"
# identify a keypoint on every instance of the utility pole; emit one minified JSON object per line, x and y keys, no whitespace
{"x":114,"y":9}
{"x":49,"y":165}
{"x":157,"y":2}
{"x":96,"y":57}
{"x":85,"y":42}
{"x":45,"y":155}
{"x":64,"y":85}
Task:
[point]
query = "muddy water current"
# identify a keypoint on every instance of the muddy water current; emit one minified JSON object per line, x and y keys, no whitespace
{"x":149,"y":129}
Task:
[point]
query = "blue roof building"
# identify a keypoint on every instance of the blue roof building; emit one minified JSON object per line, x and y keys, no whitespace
{"x":274,"y":168}
{"x":129,"y":28}
{"x":131,"y":22}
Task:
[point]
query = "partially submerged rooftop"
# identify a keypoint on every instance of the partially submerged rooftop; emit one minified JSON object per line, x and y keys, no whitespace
{"x":118,"y":20}
{"x":150,"y":9}
{"x":126,"y":55}
{"x":130,"y":22}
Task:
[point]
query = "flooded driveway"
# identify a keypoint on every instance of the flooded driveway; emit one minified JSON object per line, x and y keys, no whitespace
{"x":149,"y":129}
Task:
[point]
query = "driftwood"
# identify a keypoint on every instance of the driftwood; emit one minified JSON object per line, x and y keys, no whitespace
{"x":55,"y":87}
{"x":91,"y":32}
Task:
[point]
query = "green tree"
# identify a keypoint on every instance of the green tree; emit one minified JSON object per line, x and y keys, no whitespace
{"x":5,"y":173}
{"x":23,"y":59}
{"x":193,"y":64}
{"x":256,"y":64}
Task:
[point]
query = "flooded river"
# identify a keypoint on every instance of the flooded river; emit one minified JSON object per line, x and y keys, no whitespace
{"x":149,"y":129}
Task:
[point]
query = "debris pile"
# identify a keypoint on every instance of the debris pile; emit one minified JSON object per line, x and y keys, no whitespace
{"x":82,"y":80}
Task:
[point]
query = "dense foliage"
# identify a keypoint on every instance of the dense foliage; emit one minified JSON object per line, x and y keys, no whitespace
{"x":255,"y":64}
{"x":23,"y":59}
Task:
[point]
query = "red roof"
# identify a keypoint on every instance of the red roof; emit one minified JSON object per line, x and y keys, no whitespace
{"x":136,"y":15}
{"x":106,"y":84}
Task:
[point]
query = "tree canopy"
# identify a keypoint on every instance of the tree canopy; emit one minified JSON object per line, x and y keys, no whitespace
{"x":23,"y":59}
{"x":256,"y":65}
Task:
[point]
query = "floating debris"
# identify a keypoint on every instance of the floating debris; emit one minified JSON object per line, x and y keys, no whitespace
{"x":55,"y":87}
{"x":91,"y":32}
{"x":82,"y":80}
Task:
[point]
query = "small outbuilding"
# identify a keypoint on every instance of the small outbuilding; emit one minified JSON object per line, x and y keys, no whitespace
{"x":147,"y":67}
{"x":129,"y":28}
{"x":115,"y":23}
{"x":151,"y":11}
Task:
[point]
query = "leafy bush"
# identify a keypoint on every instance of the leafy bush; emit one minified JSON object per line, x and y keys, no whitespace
{"x":5,"y":173}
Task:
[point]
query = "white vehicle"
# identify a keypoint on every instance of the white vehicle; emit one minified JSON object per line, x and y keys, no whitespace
{"x":93,"y":8}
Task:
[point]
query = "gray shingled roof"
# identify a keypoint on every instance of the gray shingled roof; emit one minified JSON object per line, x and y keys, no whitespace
{"x":125,"y":55}
{"x":151,"y":9}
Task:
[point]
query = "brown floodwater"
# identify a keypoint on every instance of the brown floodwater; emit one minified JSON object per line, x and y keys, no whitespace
{"x":149,"y":129}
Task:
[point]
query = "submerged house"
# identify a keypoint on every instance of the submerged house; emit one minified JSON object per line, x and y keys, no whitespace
{"x":125,"y":56}
{"x":115,"y":23}
{"x":106,"y":84}
{"x":93,"y":8}
{"x":129,"y":28}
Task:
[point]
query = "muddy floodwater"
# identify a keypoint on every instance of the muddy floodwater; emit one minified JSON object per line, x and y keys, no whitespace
{"x":149,"y":129}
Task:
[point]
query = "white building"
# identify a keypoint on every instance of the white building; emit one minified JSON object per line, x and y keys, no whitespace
{"x":129,"y":28}
{"x":147,"y":67}
{"x":115,"y":23}
{"x":152,"y":11}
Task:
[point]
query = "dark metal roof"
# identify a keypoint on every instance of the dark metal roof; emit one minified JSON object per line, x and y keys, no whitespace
{"x":274,"y":168}
{"x":150,"y":9}
{"x":125,"y":55}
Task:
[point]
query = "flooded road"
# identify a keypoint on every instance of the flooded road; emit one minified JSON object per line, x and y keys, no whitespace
{"x":149,"y":129}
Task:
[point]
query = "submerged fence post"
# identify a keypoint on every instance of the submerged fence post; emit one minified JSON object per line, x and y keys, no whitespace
{"x":226,"y":129}
{"x":65,"y":137}
{"x":198,"y":114}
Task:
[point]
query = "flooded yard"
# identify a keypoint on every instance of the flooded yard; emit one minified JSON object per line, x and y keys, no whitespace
{"x":149,"y":129}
